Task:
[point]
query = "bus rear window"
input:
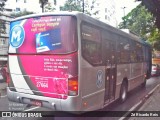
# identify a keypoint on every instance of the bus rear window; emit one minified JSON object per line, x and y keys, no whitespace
{"x":44,"y":35}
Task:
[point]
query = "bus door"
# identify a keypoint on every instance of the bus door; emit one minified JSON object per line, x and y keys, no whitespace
{"x":110,"y":70}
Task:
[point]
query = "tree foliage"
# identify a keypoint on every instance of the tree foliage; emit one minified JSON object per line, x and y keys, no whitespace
{"x":139,"y":21}
{"x":142,"y":22}
{"x":154,"y":39}
{"x":47,"y":6}
{"x":72,"y":5}
{"x":43,"y":3}
{"x":78,"y":5}
{"x":2,"y":4}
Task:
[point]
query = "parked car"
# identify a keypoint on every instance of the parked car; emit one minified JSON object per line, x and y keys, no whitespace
{"x":3,"y":74}
{"x":155,"y":70}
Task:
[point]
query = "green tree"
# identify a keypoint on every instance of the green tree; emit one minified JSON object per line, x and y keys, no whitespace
{"x":72,"y":5}
{"x":2,"y":4}
{"x":142,"y":22}
{"x":90,"y":8}
{"x":77,"y":5}
{"x":139,"y":21}
{"x":154,"y":39}
{"x":49,"y":7}
{"x":43,"y":3}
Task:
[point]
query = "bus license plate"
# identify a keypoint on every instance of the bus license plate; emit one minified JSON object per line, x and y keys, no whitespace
{"x":36,"y":102}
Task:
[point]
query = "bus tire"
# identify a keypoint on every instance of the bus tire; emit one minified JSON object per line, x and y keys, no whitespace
{"x":123,"y":92}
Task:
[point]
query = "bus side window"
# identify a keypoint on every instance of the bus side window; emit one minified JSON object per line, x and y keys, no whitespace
{"x":123,"y":51}
{"x":118,"y":52}
{"x":139,"y":52}
{"x":110,"y":48}
{"x":133,"y":53}
{"x":92,"y":52}
{"x":143,"y":53}
{"x":91,"y":44}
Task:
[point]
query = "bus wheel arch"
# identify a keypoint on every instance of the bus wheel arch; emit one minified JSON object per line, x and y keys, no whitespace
{"x":123,"y":90}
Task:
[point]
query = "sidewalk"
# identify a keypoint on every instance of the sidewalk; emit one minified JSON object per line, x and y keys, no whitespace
{"x":149,"y":107}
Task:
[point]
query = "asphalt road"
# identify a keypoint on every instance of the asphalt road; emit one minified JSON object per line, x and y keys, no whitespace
{"x":133,"y":97}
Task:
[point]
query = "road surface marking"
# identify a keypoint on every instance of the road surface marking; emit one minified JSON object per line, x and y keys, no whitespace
{"x":32,"y":108}
{"x":3,"y":96}
{"x":139,"y":103}
{"x":132,"y":109}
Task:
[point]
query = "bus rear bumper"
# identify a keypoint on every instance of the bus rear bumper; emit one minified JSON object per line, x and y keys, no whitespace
{"x":69,"y":105}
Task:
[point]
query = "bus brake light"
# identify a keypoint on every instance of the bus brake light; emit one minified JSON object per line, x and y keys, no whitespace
{"x":73,"y":86}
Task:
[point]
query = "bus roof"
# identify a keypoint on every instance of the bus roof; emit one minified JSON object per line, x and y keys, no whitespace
{"x":73,"y":13}
{"x":88,"y":19}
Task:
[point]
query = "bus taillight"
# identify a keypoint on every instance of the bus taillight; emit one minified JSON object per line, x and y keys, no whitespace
{"x":73,"y":86}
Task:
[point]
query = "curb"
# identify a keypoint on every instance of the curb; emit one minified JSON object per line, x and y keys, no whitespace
{"x":139,"y":104}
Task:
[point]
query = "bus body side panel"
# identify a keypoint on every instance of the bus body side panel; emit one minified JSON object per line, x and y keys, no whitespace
{"x":92,"y":77}
{"x":134,"y":73}
{"x":137,"y":75}
{"x":93,"y":88}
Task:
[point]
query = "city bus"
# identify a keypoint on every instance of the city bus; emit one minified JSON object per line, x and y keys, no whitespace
{"x":69,"y":61}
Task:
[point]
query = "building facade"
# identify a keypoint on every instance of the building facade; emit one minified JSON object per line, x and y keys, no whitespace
{"x":4,"y":37}
{"x":26,"y":5}
{"x":22,"y":5}
{"x":106,"y":11}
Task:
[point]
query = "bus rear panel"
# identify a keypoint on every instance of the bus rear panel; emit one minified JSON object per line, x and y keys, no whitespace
{"x":43,"y":61}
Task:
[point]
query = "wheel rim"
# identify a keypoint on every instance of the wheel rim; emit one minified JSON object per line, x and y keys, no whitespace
{"x":124,"y":93}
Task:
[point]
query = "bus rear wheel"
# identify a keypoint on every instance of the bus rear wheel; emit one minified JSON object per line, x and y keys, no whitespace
{"x":123,"y":92}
